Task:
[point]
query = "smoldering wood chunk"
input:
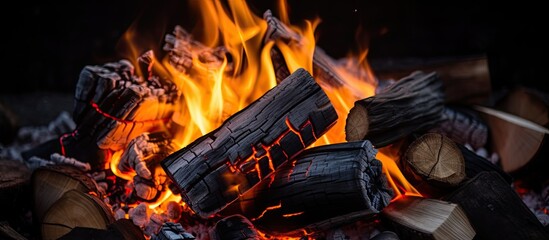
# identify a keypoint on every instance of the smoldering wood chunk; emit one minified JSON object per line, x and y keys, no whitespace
{"x":182,"y":49}
{"x":412,"y":104}
{"x":235,"y":227}
{"x":172,"y":231}
{"x":323,"y":188}
{"x":463,"y":126}
{"x":144,"y":152}
{"x":215,"y":169}
{"x":491,"y":203}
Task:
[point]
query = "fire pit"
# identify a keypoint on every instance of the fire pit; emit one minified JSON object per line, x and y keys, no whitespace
{"x":247,"y":129}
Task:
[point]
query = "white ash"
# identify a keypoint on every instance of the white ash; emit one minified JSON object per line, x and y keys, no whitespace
{"x":119,"y":214}
{"x":140,"y":214}
{"x":155,"y":223}
{"x":538,"y":203}
{"x":60,"y":159}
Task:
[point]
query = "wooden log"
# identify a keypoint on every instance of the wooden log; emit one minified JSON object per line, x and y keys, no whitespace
{"x":75,"y":209}
{"x":14,"y":179}
{"x":433,"y":163}
{"x":463,"y":126}
{"x":323,"y":188}
{"x":475,"y":164}
{"x":323,"y":65}
{"x":413,"y":104}
{"x":424,"y":218}
{"x":496,"y":210}
{"x":523,"y":150}
{"x":235,"y":227}
{"x":50,"y":183}
{"x":466,"y":79}
{"x":121,"y":229}
{"x":215,"y":169}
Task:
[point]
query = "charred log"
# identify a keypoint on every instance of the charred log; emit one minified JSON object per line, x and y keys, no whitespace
{"x":413,"y":104}
{"x":236,"y":227}
{"x":225,"y":163}
{"x":464,"y":127}
{"x":324,"y":187}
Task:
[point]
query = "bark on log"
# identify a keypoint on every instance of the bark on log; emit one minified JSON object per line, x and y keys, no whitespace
{"x":496,"y":210}
{"x":425,"y":218}
{"x":324,"y":187}
{"x":433,"y":163}
{"x":236,"y":227}
{"x":412,"y":104}
{"x":215,"y":169}
{"x":466,"y":79}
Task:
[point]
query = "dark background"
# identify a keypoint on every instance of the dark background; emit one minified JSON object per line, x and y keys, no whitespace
{"x":48,"y":43}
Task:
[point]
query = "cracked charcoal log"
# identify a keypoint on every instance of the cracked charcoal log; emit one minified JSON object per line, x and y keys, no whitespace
{"x":464,"y":127}
{"x":412,"y":104}
{"x":324,"y":187}
{"x":49,"y":183}
{"x":423,"y":218}
{"x":433,"y":163}
{"x":235,"y":227}
{"x":172,"y":231}
{"x":491,"y":203}
{"x":215,"y":169}
{"x":323,"y":65}
{"x":75,"y":209}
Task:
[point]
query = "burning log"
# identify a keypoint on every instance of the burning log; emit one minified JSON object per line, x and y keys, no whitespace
{"x":323,"y":64}
{"x":215,"y":169}
{"x":75,"y":209}
{"x":322,"y":188}
{"x":495,"y":209}
{"x":414,"y":103}
{"x":235,"y":227}
{"x":424,"y":218}
{"x":433,"y":163}
{"x":50,"y":183}
{"x":144,"y":153}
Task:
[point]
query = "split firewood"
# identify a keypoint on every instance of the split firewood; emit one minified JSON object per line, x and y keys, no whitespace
{"x":75,"y":209}
{"x":466,"y":79}
{"x":414,"y":103}
{"x":172,"y":231}
{"x":49,"y":183}
{"x":424,"y":218}
{"x":323,"y":188}
{"x":491,"y":203}
{"x":248,"y":147}
{"x":323,"y":65}
{"x":464,"y":127}
{"x":235,"y":227}
{"x":183,"y":49}
{"x":519,"y":128}
{"x":433,"y":163}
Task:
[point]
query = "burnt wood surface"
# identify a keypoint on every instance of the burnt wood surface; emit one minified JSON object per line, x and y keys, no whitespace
{"x":464,"y":126}
{"x":215,"y":169}
{"x":412,"y":104}
{"x":475,"y":164}
{"x":324,"y":187}
{"x":495,"y":210}
{"x":235,"y":227}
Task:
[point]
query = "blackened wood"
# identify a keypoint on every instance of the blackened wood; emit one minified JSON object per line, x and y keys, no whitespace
{"x":249,"y":146}
{"x":464,"y":127}
{"x":434,"y":164}
{"x":324,"y":187}
{"x":475,"y":164}
{"x":235,"y":227}
{"x":495,"y":210}
{"x":412,"y":104}
{"x":172,"y":231}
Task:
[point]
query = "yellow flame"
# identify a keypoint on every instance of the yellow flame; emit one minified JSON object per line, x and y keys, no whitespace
{"x":213,"y":93}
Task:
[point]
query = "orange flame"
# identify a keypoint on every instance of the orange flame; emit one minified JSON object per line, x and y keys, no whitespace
{"x":211,"y":94}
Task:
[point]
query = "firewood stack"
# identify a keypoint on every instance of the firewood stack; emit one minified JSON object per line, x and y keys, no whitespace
{"x":259,"y":175}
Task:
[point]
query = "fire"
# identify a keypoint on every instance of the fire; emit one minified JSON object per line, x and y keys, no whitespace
{"x":212,"y":93}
